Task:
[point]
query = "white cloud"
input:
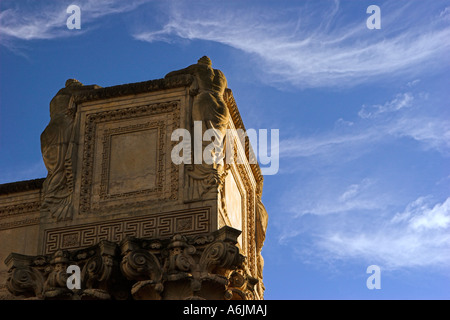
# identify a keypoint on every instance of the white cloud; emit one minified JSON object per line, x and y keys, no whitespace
{"x":350,"y":193}
{"x":399,"y":102}
{"x":49,"y":21}
{"x":431,"y":132}
{"x":328,"y":145}
{"x":413,"y":83}
{"x":343,"y":220}
{"x":297,"y":50}
{"x":445,"y":14}
{"x":437,"y":217}
{"x":417,"y":237}
{"x":329,"y":197}
{"x":27,"y":26}
{"x":404,"y":116}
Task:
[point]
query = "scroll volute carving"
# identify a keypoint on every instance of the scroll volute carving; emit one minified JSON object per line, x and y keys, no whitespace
{"x":98,"y":271}
{"x":208,"y":267}
{"x":25,"y":275}
{"x":142,"y":266}
{"x":223,"y":253}
{"x":241,"y":286}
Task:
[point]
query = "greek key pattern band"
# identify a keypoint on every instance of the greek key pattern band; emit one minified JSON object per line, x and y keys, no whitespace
{"x":196,"y":221}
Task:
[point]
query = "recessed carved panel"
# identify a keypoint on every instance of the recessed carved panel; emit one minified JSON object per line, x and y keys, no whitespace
{"x":126,"y":158}
{"x":234,"y":203}
{"x":132,"y":162}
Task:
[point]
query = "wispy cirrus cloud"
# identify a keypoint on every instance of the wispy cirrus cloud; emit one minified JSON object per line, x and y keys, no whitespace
{"x":406,"y":115}
{"x":313,"y":45}
{"x":417,"y":237}
{"x":403,"y":100}
{"x":47,"y":19}
{"x":373,"y":219}
{"x":359,"y":222}
{"x":332,"y":198}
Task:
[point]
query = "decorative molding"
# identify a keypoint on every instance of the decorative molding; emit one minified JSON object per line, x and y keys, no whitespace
{"x":19,"y":209}
{"x":250,"y":212}
{"x":239,"y":124}
{"x":169,"y":109}
{"x":24,"y":213}
{"x":20,"y":223}
{"x":189,"y":222}
{"x":207,"y":266}
{"x":133,"y":88}
{"x":21,"y":186}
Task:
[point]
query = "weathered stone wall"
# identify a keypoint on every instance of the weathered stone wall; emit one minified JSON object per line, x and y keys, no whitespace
{"x":19,"y":222}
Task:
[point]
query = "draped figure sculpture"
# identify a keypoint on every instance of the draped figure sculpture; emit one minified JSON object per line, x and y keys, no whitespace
{"x":261,"y":227}
{"x":58,"y":153}
{"x":210,"y":109}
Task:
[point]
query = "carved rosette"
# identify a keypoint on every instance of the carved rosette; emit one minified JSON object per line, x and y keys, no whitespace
{"x":206,"y":266}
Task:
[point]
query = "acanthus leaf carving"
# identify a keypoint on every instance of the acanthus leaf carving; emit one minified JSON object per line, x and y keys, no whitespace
{"x":181,"y":267}
{"x":98,"y":270}
{"x":142,"y":266}
{"x":23,"y":278}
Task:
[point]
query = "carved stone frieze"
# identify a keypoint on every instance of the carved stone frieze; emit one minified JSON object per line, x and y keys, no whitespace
{"x":207,"y":266}
{"x":45,"y":277}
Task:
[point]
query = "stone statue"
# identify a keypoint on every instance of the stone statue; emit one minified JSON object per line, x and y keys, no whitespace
{"x":261,"y":227}
{"x":58,"y":153}
{"x":209,"y":87}
{"x":210,"y":109}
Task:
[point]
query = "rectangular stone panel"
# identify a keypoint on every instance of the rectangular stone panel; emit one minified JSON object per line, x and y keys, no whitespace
{"x":233,"y":200}
{"x":234,"y":204}
{"x":133,"y":161}
{"x":126,"y":158}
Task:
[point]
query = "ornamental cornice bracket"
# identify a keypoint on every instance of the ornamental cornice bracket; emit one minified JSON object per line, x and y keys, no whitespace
{"x":25,"y":277}
{"x":141,"y":266}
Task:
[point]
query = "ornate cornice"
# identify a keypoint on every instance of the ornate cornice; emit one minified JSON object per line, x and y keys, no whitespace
{"x":21,"y":186}
{"x":99,"y":93}
{"x":239,"y":124}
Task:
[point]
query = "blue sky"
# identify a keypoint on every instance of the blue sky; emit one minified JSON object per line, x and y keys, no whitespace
{"x":364,"y":120}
